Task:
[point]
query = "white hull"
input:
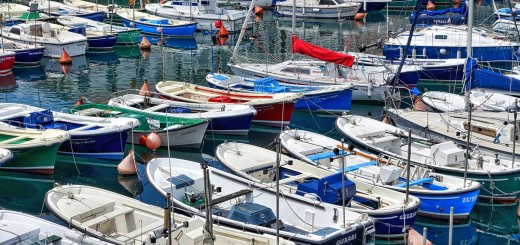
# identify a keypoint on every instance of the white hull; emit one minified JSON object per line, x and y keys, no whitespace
{"x":189,"y":137}
{"x":443,"y":102}
{"x":318,"y":12}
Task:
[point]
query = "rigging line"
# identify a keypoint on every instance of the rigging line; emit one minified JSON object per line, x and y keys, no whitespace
{"x":262,"y":47}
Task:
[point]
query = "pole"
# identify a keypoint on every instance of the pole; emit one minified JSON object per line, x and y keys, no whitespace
{"x":408,"y":165}
{"x":277,"y":141}
{"x":244,"y":28}
{"x":424,"y":233}
{"x":450,"y":233}
{"x":514,"y":136}
{"x":343,"y":178}
{"x":207,"y":202}
{"x":294,"y":22}
{"x":168,"y":195}
{"x":211,"y":47}
{"x":467,"y":145}
{"x":469,"y":49}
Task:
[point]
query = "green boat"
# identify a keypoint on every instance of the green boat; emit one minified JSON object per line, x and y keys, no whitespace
{"x":409,"y":5}
{"x":178,"y":132}
{"x":33,"y":150}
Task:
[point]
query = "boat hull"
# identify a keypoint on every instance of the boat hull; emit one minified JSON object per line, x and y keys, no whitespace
{"x":438,"y":206}
{"x":176,"y":31}
{"x":317,"y":13}
{"x":393,"y":224}
{"x":187,"y":137}
{"x":234,"y":125}
{"x":36,"y":160}
{"x":28,"y":56}
{"x":102,"y":42}
{"x":372,"y":6}
{"x":107,"y":145}
{"x":496,"y":54}
{"x":96,"y":16}
{"x":6,"y":63}
{"x":128,"y":37}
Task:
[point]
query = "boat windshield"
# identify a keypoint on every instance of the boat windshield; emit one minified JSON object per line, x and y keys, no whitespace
{"x":328,"y":2}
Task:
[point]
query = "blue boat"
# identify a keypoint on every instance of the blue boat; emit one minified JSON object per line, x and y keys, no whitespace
{"x":456,"y":15}
{"x":184,"y":43}
{"x":24,"y":54}
{"x":316,"y":98}
{"x":155,"y":25}
{"x":448,"y":42}
{"x":95,"y":40}
{"x":59,"y":9}
{"x":93,"y":137}
{"x":489,"y":79}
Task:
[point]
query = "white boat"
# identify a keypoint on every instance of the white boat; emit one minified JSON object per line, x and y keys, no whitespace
{"x":233,"y":119}
{"x":205,"y":13}
{"x":387,"y":207}
{"x":505,"y":27}
{"x":303,"y":220}
{"x":264,"y":4}
{"x":491,"y":101}
{"x":93,"y":6}
{"x":320,"y":9}
{"x":449,"y":41}
{"x":323,"y":151}
{"x":495,"y":174}
{"x":41,"y":33}
{"x":59,"y":9}
{"x":119,"y":219}
{"x":443,"y":101}
{"x":21,"y":228}
{"x":90,"y":136}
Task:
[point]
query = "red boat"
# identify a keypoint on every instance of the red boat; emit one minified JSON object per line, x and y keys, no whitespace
{"x":6,"y":61}
{"x":271,"y":109}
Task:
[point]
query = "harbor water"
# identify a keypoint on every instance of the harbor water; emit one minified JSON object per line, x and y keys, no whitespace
{"x":97,"y":75}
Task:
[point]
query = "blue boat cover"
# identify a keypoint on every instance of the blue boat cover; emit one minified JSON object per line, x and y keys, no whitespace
{"x":477,"y":77}
{"x":252,"y":213}
{"x":328,"y":189}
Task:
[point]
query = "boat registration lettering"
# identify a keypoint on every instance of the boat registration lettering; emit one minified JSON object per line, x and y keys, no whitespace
{"x":346,"y":239}
{"x":408,"y":216}
{"x":188,"y":132}
{"x":469,"y":199}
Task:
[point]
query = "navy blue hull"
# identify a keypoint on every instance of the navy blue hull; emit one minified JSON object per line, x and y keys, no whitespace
{"x":495,"y":54}
{"x":28,"y":56}
{"x":230,"y":124}
{"x":443,"y":73}
{"x":333,"y":101}
{"x":394,"y":223}
{"x":103,"y":42}
{"x":372,"y":6}
{"x":109,"y":145}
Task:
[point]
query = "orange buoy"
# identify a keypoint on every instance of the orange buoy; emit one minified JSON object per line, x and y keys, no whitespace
{"x":360,"y":16}
{"x":145,"y":89}
{"x":223,"y":32}
{"x":65,"y":58}
{"x":153,"y":141}
{"x":430,"y":6}
{"x":259,"y":10}
{"x":146,"y":53}
{"x":80,"y":101}
{"x":418,"y":105}
{"x":222,"y":40}
{"x":259,"y":18}
{"x":127,"y":166}
{"x":145,"y":44}
{"x":218,"y":24}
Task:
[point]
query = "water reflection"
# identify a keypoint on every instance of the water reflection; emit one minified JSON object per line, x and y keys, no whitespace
{"x":105,"y":57}
{"x":7,"y":82}
{"x":496,"y":223}
{"x":29,"y":73}
{"x":464,"y":232}
{"x":24,"y":192}
{"x":54,"y":69}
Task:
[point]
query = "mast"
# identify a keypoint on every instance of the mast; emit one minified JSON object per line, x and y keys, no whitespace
{"x":469,"y":52}
{"x":293,"y":23}
{"x":242,"y":31}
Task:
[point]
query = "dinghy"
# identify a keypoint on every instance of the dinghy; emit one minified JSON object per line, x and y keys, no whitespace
{"x":92,"y":6}
{"x":59,"y":9}
{"x":250,"y":206}
{"x":155,"y":25}
{"x":315,"y":98}
{"x":497,"y":175}
{"x":89,"y":136}
{"x":55,"y":41}
{"x":205,"y":13}
{"x":20,"y":228}
{"x":323,"y":151}
{"x":124,"y":35}
{"x":24,"y":54}
{"x":119,"y":219}
{"x":491,"y":101}
{"x":177,"y":132}
{"x":443,"y":101}
{"x":387,"y":207}
{"x":34,"y":150}
{"x":271,"y":109}
{"x":232,"y":119}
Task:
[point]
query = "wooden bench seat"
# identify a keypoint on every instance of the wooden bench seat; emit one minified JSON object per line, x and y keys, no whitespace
{"x":139,"y":231}
{"x":108,"y":216}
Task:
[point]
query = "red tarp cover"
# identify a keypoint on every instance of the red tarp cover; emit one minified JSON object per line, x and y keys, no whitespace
{"x":302,"y":47}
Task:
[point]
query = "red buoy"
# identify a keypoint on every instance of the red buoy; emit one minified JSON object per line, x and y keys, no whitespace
{"x":65,"y":58}
{"x":218,"y":23}
{"x":142,"y":139}
{"x":223,"y":32}
{"x":360,"y":16}
{"x":221,"y":40}
{"x":145,"y":89}
{"x":153,"y":141}
{"x":80,"y":101}
{"x":259,"y":10}
{"x":145,"y":44}
{"x":65,"y":68}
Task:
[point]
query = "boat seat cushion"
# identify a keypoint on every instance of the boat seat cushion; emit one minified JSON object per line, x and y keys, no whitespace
{"x":181,"y":181}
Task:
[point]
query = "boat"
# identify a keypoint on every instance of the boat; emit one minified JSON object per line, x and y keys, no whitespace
{"x":230,"y":119}
{"x":303,"y":220}
{"x":95,"y":40}
{"x":24,"y":54}
{"x":318,"y":9}
{"x":449,"y":41}
{"x":271,"y":109}
{"x":92,"y":6}
{"x":264,"y":4}
{"x":455,"y":15}
{"x":372,"y":5}
{"x":40,"y":33}
{"x":327,"y":99}
{"x":172,"y":131}
{"x":508,"y":13}
{"x":21,"y":228}
{"x":428,"y":186}
{"x":155,"y":25}
{"x":7,"y":59}
{"x":491,"y":79}
{"x":389,"y":208}
{"x":118,"y":219}
{"x":410,"y":5}
{"x":58,"y":9}
{"x":34,"y":150}
{"x":438,"y":231}
{"x":443,"y":101}
{"x":205,"y":13}
{"x":491,"y":101}
{"x":505,"y":27}
{"x":93,"y":137}
{"x":428,"y":69}
{"x":14,"y":13}
{"x":496,"y":174}
{"x":125,"y":35}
